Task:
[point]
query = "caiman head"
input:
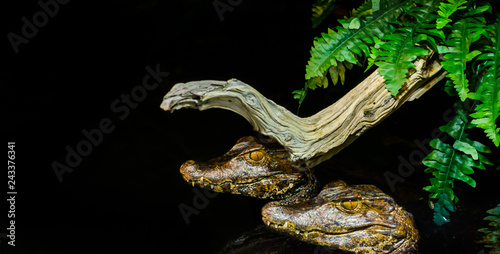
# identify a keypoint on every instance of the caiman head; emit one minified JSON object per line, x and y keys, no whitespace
{"x":358,"y":218}
{"x":258,"y":168}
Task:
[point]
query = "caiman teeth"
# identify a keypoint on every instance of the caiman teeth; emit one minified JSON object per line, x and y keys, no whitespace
{"x":217,"y":188}
{"x":267,"y":222}
{"x":292,"y":229}
{"x":286,"y":226}
{"x":203,"y":181}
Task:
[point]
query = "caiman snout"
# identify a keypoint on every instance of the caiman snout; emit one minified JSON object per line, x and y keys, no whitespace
{"x":190,"y":170}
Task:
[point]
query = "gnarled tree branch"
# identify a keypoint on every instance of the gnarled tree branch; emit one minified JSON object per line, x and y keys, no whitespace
{"x":311,"y":139}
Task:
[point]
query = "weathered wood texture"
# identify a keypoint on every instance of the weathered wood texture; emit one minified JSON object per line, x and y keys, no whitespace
{"x":311,"y":139}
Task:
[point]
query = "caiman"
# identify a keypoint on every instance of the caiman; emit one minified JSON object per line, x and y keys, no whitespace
{"x":253,"y":168}
{"x":357,"y":218}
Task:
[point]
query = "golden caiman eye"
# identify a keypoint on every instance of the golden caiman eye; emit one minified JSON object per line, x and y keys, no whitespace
{"x":256,"y":155}
{"x":349,"y":205}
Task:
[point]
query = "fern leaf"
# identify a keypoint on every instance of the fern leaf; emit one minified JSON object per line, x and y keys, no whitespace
{"x":457,"y":53}
{"x":345,"y":44}
{"x":300,"y":95}
{"x":425,"y":18}
{"x":317,"y":82}
{"x":338,"y":71}
{"x":448,"y":163}
{"x":363,"y":11}
{"x":447,"y":9}
{"x":321,"y":10}
{"x":397,"y":56}
{"x":442,"y":209}
{"x":492,"y":237}
{"x":488,"y":91}
{"x":466,"y":148}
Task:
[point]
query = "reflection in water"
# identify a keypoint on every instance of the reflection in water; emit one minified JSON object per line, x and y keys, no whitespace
{"x":262,"y":240}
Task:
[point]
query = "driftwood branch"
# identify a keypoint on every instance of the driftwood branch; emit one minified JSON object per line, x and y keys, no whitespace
{"x":316,"y":138}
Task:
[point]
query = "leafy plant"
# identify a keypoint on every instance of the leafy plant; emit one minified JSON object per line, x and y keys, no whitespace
{"x":446,"y":10}
{"x":392,"y":35}
{"x":492,"y":237}
{"x":452,"y":162}
{"x":347,"y":44}
{"x":395,"y":53}
{"x":488,"y":92}
{"x":320,"y":10}
{"x":456,"y":52}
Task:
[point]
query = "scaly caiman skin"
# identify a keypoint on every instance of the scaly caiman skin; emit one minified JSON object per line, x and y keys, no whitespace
{"x":358,"y":218}
{"x":253,"y":168}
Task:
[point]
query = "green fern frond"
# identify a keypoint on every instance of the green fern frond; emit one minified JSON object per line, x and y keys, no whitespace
{"x":321,"y":10}
{"x":492,"y":237}
{"x":488,"y":91}
{"x":334,"y":47}
{"x":397,"y":55}
{"x":317,"y":82}
{"x":425,"y":18}
{"x":452,"y":162}
{"x":338,"y":72}
{"x":380,"y":6}
{"x":457,"y":52}
{"x":374,"y":52}
{"x":364,"y":10}
{"x":447,"y":9}
{"x":300,"y":95}
{"x":344,"y":44}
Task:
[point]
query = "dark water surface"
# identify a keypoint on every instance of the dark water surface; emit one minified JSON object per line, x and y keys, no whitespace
{"x":84,"y":69}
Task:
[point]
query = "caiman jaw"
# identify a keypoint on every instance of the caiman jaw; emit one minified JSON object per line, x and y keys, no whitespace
{"x":360,"y":219}
{"x":347,"y":240}
{"x":273,"y":185}
{"x":290,"y":227}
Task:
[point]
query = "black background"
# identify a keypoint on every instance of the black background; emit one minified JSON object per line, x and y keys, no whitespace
{"x":124,"y":196}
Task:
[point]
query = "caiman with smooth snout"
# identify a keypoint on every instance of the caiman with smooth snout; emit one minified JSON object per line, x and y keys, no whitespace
{"x":357,"y":218}
{"x":253,"y":168}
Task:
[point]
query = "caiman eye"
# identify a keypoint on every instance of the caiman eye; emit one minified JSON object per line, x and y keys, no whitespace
{"x":350,"y":205}
{"x":256,"y":155}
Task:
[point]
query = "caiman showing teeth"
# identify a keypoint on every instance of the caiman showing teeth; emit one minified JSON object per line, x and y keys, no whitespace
{"x":358,"y":218}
